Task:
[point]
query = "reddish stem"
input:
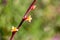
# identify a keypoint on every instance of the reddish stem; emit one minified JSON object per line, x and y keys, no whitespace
{"x":23,"y":19}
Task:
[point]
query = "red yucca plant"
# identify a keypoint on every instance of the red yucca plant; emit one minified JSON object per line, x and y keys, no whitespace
{"x":25,"y":18}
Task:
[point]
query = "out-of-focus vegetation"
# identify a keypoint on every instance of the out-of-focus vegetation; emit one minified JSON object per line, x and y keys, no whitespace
{"x":44,"y":26}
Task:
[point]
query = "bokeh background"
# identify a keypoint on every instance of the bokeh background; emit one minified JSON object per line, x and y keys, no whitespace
{"x":45,"y":23}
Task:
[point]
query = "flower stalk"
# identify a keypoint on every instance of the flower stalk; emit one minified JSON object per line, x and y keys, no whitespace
{"x":25,"y":17}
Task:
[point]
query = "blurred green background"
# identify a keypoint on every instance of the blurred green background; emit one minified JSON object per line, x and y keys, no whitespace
{"x":45,"y":19}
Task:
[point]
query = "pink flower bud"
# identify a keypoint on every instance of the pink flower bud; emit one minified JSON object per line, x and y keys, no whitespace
{"x":33,"y":7}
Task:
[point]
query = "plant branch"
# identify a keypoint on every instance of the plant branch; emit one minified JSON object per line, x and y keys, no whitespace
{"x":23,"y":19}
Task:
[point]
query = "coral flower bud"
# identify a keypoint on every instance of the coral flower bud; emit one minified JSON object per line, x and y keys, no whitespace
{"x":29,"y":18}
{"x":14,"y":29}
{"x":33,"y":7}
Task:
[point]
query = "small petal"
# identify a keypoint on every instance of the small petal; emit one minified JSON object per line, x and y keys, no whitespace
{"x":14,"y":29}
{"x":29,"y":18}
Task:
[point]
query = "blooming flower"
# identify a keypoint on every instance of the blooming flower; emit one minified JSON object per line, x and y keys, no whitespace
{"x":29,"y":18}
{"x":14,"y":29}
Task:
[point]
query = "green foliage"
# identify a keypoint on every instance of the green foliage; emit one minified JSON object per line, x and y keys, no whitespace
{"x":46,"y":17}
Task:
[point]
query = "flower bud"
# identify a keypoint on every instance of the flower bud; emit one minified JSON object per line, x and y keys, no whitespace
{"x":33,"y":7}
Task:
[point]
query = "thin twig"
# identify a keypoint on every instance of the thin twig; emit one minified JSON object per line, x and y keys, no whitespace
{"x":23,"y":19}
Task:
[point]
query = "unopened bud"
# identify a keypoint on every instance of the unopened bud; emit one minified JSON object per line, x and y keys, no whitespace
{"x":33,"y":7}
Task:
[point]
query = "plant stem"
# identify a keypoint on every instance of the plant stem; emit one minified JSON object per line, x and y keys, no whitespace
{"x":23,"y":19}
